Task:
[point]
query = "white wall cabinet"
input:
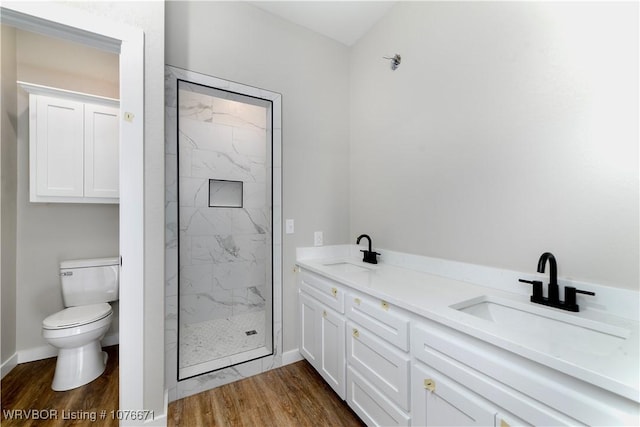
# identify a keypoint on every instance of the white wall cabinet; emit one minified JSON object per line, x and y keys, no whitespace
{"x":322,"y":331}
{"x":73,"y":147}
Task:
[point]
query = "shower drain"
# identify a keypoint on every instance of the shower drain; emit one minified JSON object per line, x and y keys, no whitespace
{"x":251,"y":332}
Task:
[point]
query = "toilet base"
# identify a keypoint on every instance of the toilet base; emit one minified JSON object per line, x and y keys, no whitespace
{"x":76,"y":367}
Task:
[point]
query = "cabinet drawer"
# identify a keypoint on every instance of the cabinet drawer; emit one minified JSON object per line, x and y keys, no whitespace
{"x":443,"y":350}
{"x":373,"y":407}
{"x":383,"y":365}
{"x":325,"y":291}
{"x":381,"y":318}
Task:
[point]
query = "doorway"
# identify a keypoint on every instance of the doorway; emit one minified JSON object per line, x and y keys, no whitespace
{"x":57,"y":21}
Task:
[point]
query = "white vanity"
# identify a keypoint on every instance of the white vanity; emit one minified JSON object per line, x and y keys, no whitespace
{"x":425,"y":342}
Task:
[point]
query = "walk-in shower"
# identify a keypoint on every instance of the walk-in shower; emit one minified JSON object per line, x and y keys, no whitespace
{"x":225,"y":223}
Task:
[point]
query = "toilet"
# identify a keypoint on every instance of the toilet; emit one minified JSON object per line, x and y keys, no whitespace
{"x":88,"y":285}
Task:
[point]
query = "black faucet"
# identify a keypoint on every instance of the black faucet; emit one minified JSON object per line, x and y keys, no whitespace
{"x":369,"y":256}
{"x":553,"y":300}
{"x":552,"y":287}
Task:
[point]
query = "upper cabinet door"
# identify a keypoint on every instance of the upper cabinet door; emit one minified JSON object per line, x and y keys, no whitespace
{"x":101,"y":157}
{"x":59,"y":147}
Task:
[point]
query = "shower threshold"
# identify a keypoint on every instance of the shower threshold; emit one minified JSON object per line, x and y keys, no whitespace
{"x":223,"y":362}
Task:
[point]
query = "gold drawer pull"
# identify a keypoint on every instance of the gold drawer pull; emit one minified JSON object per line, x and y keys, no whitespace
{"x":356,"y":333}
{"x":324,"y":313}
{"x":430,"y":384}
{"x":357,"y":301}
{"x":334,"y":291}
{"x":503,"y":423}
{"x":385,"y":305}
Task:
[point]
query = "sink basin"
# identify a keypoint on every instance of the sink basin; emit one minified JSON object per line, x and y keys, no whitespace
{"x":540,"y":326}
{"x":346,"y":267}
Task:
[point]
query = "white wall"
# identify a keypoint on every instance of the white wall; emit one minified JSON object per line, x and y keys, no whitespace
{"x":48,"y":233}
{"x":238,"y":42}
{"x":510,"y":129}
{"x":8,"y":155}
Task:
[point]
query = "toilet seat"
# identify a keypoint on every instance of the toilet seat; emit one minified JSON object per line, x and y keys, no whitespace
{"x":77,"y":316}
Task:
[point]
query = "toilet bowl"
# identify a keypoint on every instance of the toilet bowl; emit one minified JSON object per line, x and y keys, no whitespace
{"x":88,"y":285}
{"x":76,"y":333}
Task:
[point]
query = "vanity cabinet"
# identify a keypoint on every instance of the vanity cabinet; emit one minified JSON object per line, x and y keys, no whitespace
{"x":378,"y":364}
{"x":395,"y":367}
{"x":73,"y":147}
{"x":457,"y":377}
{"x":322,"y":328}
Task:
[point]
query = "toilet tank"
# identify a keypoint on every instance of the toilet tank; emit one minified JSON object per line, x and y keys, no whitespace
{"x":89,"y":281}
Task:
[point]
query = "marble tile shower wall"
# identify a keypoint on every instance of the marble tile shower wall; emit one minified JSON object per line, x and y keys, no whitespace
{"x":223,"y":250}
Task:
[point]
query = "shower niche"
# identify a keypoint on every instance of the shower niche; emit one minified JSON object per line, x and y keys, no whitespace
{"x":225,"y":202}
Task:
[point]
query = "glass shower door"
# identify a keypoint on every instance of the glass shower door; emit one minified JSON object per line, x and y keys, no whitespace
{"x":225,"y":252}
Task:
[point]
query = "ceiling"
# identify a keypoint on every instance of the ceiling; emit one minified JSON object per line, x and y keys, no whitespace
{"x":343,"y":21}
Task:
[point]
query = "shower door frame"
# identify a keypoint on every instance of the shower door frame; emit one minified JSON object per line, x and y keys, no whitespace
{"x":274,"y":139}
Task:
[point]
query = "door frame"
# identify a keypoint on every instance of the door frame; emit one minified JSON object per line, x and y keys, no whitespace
{"x":76,"y":25}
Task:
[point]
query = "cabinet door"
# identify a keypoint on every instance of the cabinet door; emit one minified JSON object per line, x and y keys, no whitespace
{"x":332,"y":333}
{"x":101,"y":159}
{"x":440,"y":401}
{"x":309,"y":337}
{"x":57,"y":139}
{"x":322,"y":341}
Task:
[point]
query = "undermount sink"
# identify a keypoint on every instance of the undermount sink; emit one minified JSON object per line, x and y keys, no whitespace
{"x":536,"y":326}
{"x":346,"y":267}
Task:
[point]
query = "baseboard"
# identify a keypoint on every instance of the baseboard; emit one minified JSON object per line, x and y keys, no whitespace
{"x":37,"y":353}
{"x":160,"y":419}
{"x":291,"y":356}
{"x":47,"y":351}
{"x":9,"y":364}
{"x":109,"y":340}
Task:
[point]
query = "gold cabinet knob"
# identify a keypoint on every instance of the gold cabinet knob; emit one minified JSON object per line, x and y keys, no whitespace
{"x":385,"y":305}
{"x":356,"y":333}
{"x":334,"y":291}
{"x":324,"y":313}
{"x":357,"y":301}
{"x":430,"y":384}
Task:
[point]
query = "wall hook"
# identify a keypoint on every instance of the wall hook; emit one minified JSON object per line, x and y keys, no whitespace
{"x":395,"y":61}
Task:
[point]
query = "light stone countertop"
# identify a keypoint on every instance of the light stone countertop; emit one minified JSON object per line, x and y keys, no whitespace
{"x":614,"y":366}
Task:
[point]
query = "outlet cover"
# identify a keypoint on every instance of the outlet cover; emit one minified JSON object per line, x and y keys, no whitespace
{"x":317,"y":238}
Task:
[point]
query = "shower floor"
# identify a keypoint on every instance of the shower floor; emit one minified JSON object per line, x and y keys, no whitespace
{"x":221,"y":338}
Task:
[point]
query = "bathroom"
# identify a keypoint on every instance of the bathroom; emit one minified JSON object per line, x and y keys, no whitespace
{"x":420,"y":158}
{"x":48,"y":232}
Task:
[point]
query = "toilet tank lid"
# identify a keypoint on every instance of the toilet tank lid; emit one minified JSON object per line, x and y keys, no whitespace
{"x":94,"y":262}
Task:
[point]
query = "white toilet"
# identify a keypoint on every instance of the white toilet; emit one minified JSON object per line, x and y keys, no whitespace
{"x":87,"y":287}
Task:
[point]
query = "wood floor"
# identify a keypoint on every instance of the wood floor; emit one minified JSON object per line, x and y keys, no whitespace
{"x":293,"y":395}
{"x":28,"y":387}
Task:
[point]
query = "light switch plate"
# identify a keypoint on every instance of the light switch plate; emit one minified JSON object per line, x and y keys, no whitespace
{"x":289,"y":226}
{"x":317,"y":238}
